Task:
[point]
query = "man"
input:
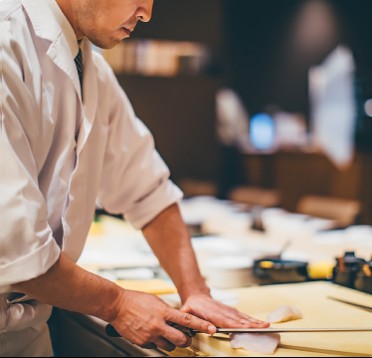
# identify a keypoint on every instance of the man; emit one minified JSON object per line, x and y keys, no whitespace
{"x":65,"y":145}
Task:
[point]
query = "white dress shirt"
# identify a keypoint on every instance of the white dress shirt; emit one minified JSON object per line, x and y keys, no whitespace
{"x":49,"y":183}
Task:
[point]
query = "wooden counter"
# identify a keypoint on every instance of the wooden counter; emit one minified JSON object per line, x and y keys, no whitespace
{"x":80,"y":335}
{"x":318,"y":311}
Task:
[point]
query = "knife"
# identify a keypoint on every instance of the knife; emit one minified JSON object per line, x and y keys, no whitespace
{"x":111,"y":331}
{"x":288,"y":329}
{"x":357,"y":305}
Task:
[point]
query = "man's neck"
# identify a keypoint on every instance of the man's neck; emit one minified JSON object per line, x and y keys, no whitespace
{"x":66,"y":8}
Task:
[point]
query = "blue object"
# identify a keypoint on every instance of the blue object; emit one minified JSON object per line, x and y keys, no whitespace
{"x":262,"y":131}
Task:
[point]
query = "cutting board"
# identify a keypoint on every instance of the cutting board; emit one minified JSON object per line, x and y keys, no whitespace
{"x":318,"y":311}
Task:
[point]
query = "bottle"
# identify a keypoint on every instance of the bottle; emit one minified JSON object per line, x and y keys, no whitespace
{"x":257,"y":223}
{"x":346,"y":269}
{"x":363,"y":280}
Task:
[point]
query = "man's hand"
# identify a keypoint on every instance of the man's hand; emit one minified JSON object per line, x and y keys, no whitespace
{"x":219,"y":314}
{"x":168,"y":236}
{"x":144,"y":319}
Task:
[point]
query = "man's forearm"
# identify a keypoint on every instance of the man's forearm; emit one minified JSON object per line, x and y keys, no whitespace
{"x":169,"y":238}
{"x":68,"y":286}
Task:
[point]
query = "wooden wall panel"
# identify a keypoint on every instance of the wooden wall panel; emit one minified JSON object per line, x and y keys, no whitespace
{"x":180,"y":112}
{"x":295,"y":174}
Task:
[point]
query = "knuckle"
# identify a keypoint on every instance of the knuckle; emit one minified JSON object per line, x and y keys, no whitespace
{"x":141,"y":343}
{"x":180,"y":340}
{"x":152,"y":327}
{"x":145,"y":340}
{"x":184,"y":342}
{"x":187,"y":318}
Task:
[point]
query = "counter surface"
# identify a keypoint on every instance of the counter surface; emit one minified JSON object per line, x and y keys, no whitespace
{"x":318,"y":311}
{"x":309,"y":297}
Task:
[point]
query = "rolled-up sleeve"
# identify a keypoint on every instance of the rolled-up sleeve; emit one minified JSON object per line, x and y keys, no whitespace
{"x":135,"y":181}
{"x":27,"y":246}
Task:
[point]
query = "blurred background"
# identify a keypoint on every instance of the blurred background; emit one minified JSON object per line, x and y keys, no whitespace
{"x":264,"y":102}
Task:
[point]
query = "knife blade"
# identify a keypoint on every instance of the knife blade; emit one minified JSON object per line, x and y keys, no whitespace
{"x":111,"y":331}
{"x":357,"y":305}
{"x":294,"y":330}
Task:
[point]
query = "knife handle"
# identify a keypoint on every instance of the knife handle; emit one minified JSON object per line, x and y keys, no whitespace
{"x":112,"y":332}
{"x":188,"y":331}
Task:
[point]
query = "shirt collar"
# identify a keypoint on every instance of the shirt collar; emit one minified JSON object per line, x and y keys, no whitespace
{"x":66,"y":27}
{"x":49,"y":22}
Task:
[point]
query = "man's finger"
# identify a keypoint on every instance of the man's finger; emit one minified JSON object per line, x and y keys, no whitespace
{"x":176,"y":336}
{"x":164,"y":344}
{"x":188,"y":320}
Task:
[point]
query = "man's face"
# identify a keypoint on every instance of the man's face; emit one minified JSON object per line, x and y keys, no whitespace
{"x":106,"y":22}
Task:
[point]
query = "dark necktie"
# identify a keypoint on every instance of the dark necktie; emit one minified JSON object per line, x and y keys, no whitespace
{"x":79,"y":65}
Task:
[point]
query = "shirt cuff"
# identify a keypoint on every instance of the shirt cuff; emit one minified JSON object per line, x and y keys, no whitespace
{"x":150,"y":206}
{"x":31,"y":265}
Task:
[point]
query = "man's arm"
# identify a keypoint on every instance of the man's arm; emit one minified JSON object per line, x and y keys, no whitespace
{"x":169,"y":238}
{"x":68,"y":286}
{"x":139,"y":317}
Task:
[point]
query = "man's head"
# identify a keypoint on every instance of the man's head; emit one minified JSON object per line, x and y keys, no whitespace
{"x":105,"y":22}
